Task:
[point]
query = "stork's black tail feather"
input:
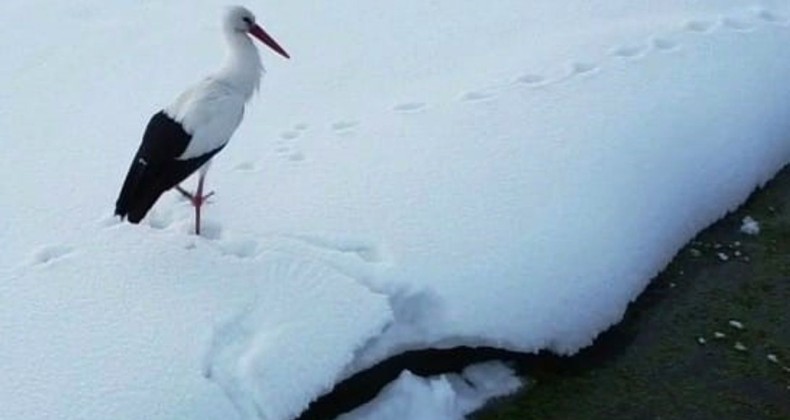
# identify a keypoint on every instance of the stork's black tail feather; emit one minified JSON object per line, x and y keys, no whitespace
{"x":140,"y":191}
{"x":156,"y":167}
{"x":130,"y":186}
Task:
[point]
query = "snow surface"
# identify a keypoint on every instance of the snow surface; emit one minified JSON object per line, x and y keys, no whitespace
{"x":445,"y":397}
{"x":420,"y":174}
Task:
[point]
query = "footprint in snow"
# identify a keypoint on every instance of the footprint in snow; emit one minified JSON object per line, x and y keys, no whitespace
{"x":409,"y":107}
{"x":296,"y":156}
{"x":247,"y":166}
{"x":289,"y":135}
{"x":771,"y":17}
{"x":476,"y":96}
{"x":531,"y":79}
{"x":665,"y":44}
{"x":344,"y":127}
{"x":289,"y":153}
{"x":301,"y":127}
{"x":699,"y":26}
{"x":737,"y":24}
{"x":582,"y":68}
{"x":629,"y":51}
{"x":51,"y":253}
{"x":282,"y":149}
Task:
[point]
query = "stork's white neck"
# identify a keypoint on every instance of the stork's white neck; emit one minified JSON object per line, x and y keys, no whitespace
{"x":242,"y":68}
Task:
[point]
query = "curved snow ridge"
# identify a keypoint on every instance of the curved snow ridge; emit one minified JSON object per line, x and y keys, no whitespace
{"x":316,"y":305}
{"x":301,"y":307}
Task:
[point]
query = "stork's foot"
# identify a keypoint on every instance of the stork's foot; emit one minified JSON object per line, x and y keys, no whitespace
{"x":196,"y":199}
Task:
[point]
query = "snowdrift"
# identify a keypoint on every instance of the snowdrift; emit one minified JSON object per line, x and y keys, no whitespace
{"x":426,"y":174}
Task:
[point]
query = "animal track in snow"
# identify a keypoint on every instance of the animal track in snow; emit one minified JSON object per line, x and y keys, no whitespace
{"x":344,"y":126}
{"x":531,"y":79}
{"x":247,"y":166}
{"x":476,"y":96}
{"x":51,"y":253}
{"x":301,"y":127}
{"x":737,"y":24}
{"x":625,"y":51}
{"x":665,"y":44}
{"x":582,"y":68}
{"x":700,"y":26}
{"x":629,"y":51}
{"x":409,"y":107}
{"x":296,"y":156}
{"x":771,"y":17}
{"x":289,"y":135}
{"x":289,"y":153}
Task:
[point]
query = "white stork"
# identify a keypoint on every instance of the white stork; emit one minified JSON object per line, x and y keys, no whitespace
{"x":184,"y":136}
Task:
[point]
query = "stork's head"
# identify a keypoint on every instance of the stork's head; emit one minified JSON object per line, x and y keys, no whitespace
{"x":240,"y":20}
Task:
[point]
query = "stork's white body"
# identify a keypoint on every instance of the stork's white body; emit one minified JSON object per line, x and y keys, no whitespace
{"x":212,"y":110}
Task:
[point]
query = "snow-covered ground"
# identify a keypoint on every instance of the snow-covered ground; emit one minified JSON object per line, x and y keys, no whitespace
{"x":420,"y":174}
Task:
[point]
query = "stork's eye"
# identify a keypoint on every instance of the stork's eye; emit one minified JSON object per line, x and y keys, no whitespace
{"x":247,"y":20}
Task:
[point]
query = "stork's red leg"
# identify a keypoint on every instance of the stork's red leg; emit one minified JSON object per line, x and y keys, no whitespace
{"x":197,"y":201}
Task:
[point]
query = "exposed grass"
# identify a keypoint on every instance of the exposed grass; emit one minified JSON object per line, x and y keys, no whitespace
{"x":652,"y":365}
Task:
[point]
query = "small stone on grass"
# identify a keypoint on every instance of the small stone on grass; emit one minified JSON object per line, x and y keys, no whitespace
{"x":750,"y":226}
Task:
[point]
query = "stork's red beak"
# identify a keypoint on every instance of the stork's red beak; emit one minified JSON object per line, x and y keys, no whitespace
{"x":259,"y":33}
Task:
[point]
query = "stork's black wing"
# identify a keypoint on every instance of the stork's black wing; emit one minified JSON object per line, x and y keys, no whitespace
{"x":155,"y":168}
